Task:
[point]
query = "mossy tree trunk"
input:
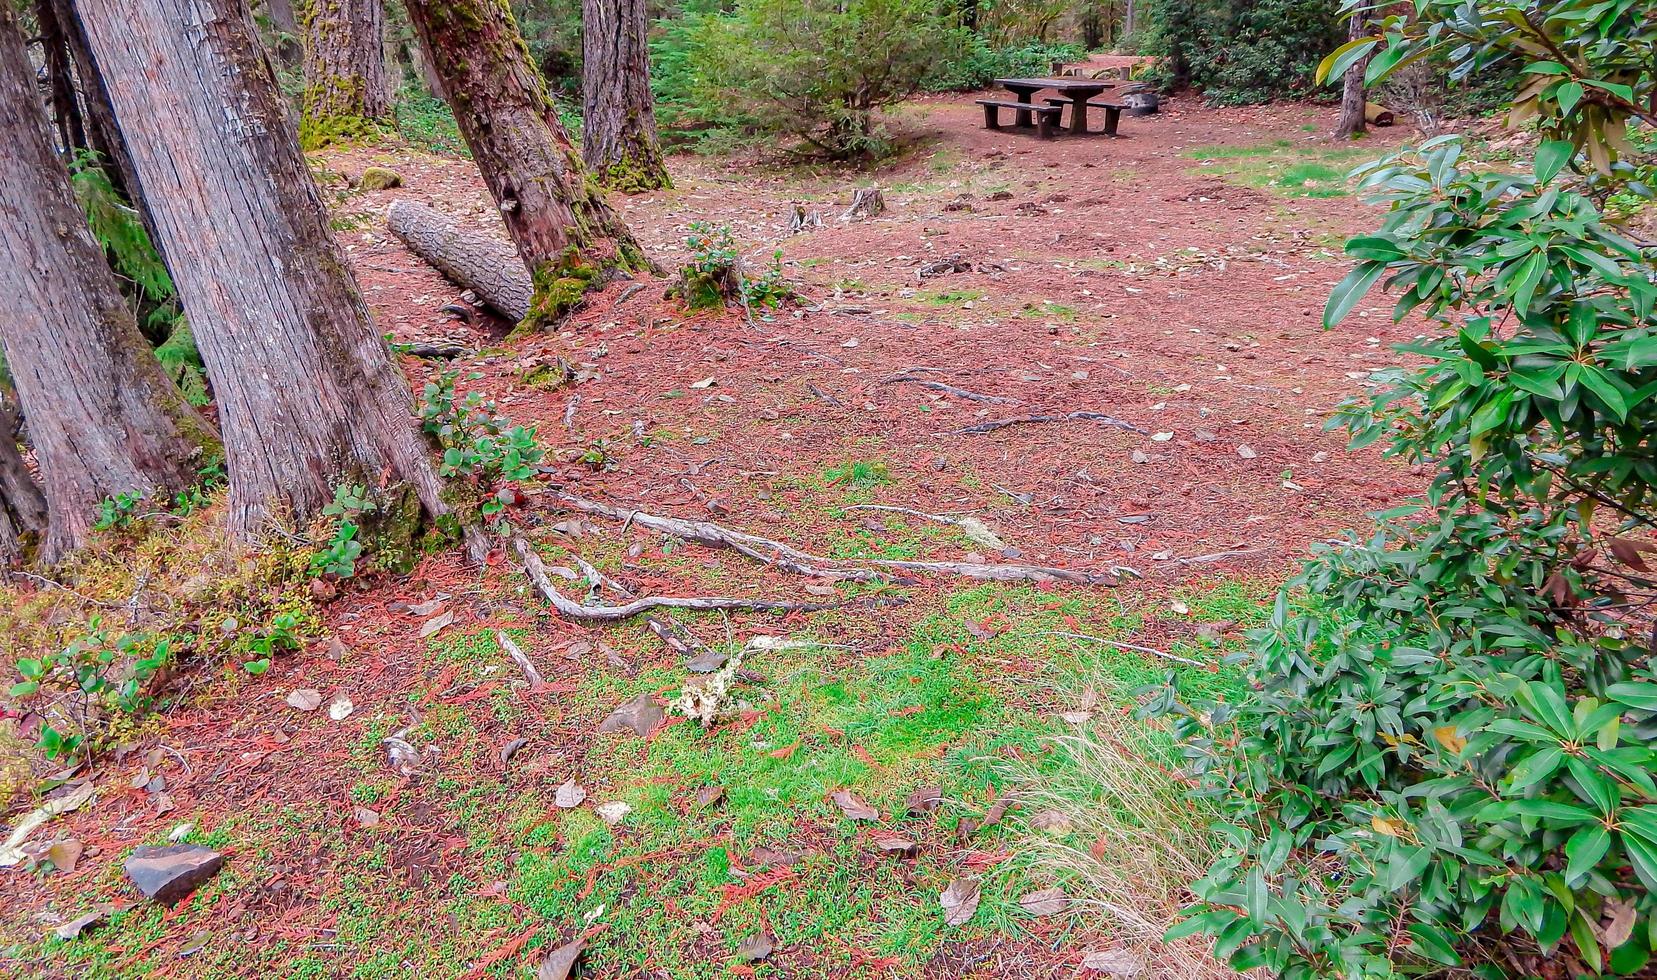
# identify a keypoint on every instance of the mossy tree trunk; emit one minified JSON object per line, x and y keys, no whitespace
{"x":307,"y":393}
{"x":103,"y":418}
{"x":618,"y":121}
{"x":566,"y":233}
{"x":347,"y":93}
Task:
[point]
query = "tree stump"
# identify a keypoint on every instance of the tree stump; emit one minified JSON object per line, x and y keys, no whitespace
{"x":866,"y":203}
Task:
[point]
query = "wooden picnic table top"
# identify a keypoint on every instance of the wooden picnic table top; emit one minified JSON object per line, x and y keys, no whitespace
{"x":1068,"y":85}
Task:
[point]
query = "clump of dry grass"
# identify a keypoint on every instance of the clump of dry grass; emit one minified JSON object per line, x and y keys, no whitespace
{"x":1112,"y":821}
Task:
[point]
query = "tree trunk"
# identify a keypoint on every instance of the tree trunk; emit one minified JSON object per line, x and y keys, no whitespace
{"x":103,"y":418}
{"x":482,"y":263}
{"x":307,"y":393}
{"x":66,"y":109}
{"x":347,"y":92}
{"x":1352,"y":93}
{"x":618,"y":123}
{"x":22,"y":505}
{"x":285,"y":23}
{"x":103,"y":136}
{"x":565,"y":232}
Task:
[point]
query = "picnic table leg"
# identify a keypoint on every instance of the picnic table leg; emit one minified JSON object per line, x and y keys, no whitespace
{"x":992,"y":117}
{"x":1112,"y":117}
{"x":1021,"y":117}
{"x":1078,"y":115}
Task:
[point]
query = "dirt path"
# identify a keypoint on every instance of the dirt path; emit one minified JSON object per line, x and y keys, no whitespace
{"x":1172,"y":279}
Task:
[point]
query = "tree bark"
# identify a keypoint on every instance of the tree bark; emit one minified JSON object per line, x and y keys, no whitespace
{"x":565,"y":232}
{"x":285,"y":22}
{"x":1352,"y":92}
{"x":479,"y":262}
{"x":307,"y":393}
{"x":22,"y":505}
{"x":66,"y":109}
{"x":103,"y":418}
{"x":347,"y":92}
{"x":618,"y":121}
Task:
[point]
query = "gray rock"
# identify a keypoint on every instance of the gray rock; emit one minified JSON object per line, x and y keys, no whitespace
{"x":168,"y":874}
{"x":706,"y":662}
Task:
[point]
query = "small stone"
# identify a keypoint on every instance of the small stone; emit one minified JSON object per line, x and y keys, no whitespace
{"x":365,"y":817}
{"x":167,"y":874}
{"x":1244,"y":451}
{"x":706,"y":662}
{"x":341,"y":708}
{"x":380,"y":179}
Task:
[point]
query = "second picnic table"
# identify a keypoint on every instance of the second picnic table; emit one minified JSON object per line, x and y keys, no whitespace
{"x":1077,"y":90}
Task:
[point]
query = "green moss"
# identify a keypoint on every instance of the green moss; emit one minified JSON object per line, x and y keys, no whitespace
{"x":635,"y":173}
{"x":317,"y":132}
{"x":559,"y":288}
{"x":380,"y":179}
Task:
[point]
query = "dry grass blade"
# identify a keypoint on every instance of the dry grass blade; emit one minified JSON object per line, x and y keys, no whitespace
{"x":1135,"y":840}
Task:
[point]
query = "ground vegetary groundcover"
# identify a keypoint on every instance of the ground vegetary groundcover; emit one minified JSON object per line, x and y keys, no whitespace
{"x":939,"y":777}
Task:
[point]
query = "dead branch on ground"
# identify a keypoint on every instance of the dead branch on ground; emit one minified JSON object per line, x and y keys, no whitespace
{"x":1099,"y":417}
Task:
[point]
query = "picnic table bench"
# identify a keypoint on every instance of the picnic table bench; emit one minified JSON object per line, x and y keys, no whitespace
{"x":1047,"y":117}
{"x":1078,"y":92}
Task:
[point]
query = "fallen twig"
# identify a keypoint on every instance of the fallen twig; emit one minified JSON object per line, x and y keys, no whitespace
{"x":825,"y":396}
{"x":1125,"y":646}
{"x":569,"y":608}
{"x":948,"y":389}
{"x":1099,"y":417}
{"x":536,"y":681}
{"x":794,"y":560}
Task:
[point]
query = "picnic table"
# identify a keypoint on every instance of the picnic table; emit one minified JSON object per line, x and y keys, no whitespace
{"x":1077,"y":90}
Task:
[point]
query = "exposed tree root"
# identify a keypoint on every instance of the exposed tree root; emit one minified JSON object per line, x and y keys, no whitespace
{"x":948,"y":389}
{"x":570,"y":609}
{"x":1099,"y":417}
{"x":791,"y":559}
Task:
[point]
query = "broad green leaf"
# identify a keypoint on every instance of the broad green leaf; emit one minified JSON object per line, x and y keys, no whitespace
{"x":1551,"y":157}
{"x":1584,"y":849}
{"x":1335,"y":65}
{"x":1568,"y":95}
{"x":1350,"y":290}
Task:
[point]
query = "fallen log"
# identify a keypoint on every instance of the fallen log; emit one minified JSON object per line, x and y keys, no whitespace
{"x":486,"y":265}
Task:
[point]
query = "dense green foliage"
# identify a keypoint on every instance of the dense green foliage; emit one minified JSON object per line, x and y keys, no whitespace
{"x":815,"y":70}
{"x":1241,"y":52}
{"x":1452,"y":750}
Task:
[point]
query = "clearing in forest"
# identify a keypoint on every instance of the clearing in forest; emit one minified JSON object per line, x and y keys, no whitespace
{"x":910,"y":780}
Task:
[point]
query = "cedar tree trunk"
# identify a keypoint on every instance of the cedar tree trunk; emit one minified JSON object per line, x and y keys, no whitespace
{"x":347,"y":93}
{"x":285,"y":23}
{"x":1352,"y":93}
{"x":618,"y":123}
{"x":66,"y":109}
{"x":307,"y":393}
{"x":22,"y":505}
{"x":566,"y":233}
{"x":103,"y":418}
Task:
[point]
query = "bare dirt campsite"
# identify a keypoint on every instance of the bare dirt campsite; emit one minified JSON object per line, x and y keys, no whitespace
{"x":1172,"y":279}
{"x":800,"y":489}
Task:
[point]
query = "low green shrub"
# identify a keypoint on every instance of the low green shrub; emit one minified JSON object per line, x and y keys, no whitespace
{"x":1446,"y":763}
